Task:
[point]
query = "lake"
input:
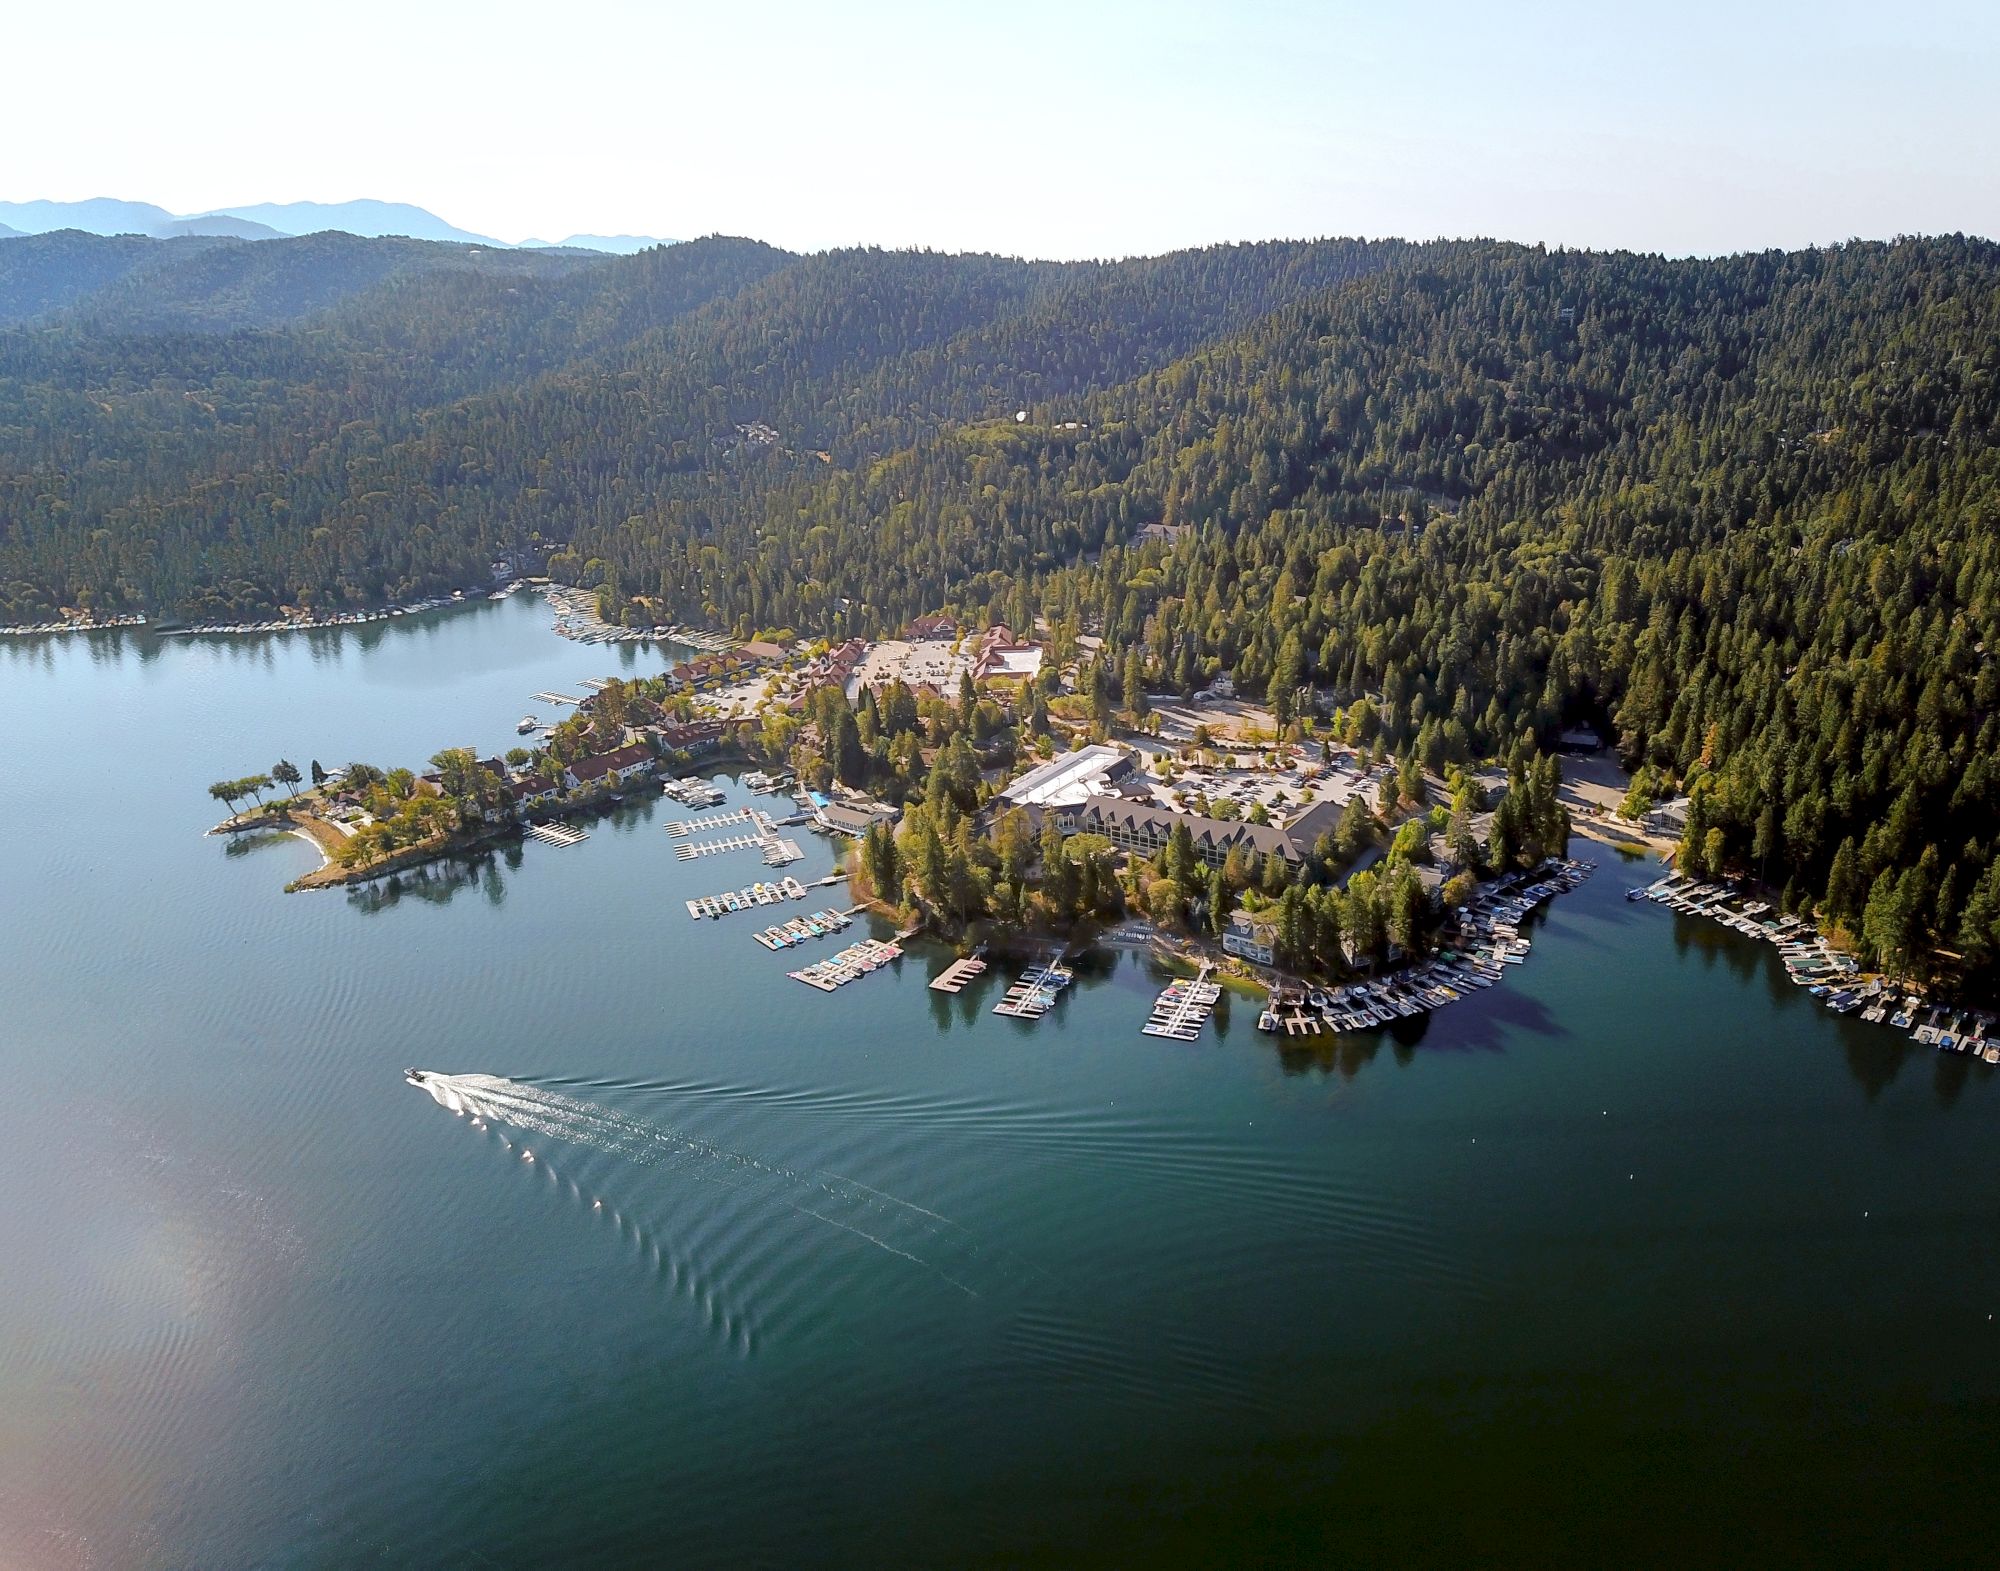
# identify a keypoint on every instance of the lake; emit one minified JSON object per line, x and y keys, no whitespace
{"x":1639,"y":1255}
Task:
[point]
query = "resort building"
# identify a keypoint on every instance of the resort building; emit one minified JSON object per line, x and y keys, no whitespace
{"x":1142,"y":828}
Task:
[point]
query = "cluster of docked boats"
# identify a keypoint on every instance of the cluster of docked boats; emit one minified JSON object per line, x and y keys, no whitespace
{"x":852,"y":963}
{"x":83,"y":624}
{"x":800,"y":929}
{"x":1183,"y":1008}
{"x":692,"y":791}
{"x":1488,"y":938}
{"x":1034,"y":995}
{"x":1830,"y":976}
{"x":745,"y":899}
{"x":766,"y":785}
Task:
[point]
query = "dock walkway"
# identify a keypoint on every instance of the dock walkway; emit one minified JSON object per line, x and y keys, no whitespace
{"x":1183,"y":1009}
{"x":957,"y":976}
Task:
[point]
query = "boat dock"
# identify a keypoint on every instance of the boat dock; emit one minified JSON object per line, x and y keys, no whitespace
{"x":688,"y":850}
{"x":1183,"y":1009}
{"x":746,"y":899}
{"x":957,"y":976}
{"x":557,"y":834}
{"x":681,"y":828}
{"x":818,"y":924}
{"x":1034,"y":995}
{"x":851,"y":964}
{"x":554,"y":698}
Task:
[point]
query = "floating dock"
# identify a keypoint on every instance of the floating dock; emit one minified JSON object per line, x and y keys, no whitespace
{"x":557,"y":834}
{"x":1034,"y":995}
{"x":681,"y":828}
{"x":818,"y":924}
{"x":1183,"y":1009}
{"x":851,"y":964}
{"x":554,"y":698}
{"x":745,"y":899}
{"x":957,"y":976}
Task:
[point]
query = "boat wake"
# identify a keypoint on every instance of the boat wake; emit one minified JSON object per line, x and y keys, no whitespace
{"x":886,"y":1222}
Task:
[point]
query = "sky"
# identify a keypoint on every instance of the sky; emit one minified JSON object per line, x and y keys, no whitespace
{"x":1030,"y":128}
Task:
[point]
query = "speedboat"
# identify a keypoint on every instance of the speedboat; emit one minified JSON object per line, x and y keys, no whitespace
{"x":526,"y":724}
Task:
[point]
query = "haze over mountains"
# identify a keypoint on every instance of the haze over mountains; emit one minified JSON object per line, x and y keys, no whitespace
{"x":366,"y":217}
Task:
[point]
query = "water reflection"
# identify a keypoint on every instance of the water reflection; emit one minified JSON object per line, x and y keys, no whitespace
{"x":434,"y":883}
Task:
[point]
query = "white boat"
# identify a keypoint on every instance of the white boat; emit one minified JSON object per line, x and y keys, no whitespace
{"x":526,"y":724}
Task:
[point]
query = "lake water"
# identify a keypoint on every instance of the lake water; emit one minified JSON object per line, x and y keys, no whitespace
{"x":1640,"y":1255}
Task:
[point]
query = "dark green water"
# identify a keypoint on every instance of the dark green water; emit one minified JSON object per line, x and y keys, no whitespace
{"x":1638,"y":1256}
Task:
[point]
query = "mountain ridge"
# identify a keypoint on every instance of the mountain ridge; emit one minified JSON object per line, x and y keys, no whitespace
{"x":366,"y":217}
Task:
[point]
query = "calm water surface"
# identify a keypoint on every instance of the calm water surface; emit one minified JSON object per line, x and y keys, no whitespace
{"x":1638,"y":1255}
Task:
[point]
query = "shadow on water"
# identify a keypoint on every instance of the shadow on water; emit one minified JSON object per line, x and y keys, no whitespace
{"x":435,"y":883}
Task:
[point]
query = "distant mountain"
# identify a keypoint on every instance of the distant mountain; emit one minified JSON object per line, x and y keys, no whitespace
{"x":223,"y":224}
{"x":104,"y":215}
{"x":617,"y":245}
{"x":100,"y":215}
{"x":365,"y":217}
{"x":202,"y":283}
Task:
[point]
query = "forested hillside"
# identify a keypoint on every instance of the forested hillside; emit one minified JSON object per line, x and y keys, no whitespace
{"x":1739,"y":511}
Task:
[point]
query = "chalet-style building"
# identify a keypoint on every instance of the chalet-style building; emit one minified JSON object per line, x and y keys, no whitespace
{"x":1143,"y":828}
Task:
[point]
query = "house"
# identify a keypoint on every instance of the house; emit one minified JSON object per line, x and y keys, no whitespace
{"x":935,"y":626}
{"x":536,"y":791}
{"x":1250,"y":937}
{"x":613,"y":768}
{"x":692,"y":736}
{"x":1000,"y":653}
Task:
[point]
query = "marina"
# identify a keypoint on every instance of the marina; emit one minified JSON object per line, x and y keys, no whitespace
{"x":800,"y":930}
{"x":703,"y":907}
{"x":850,"y":965}
{"x":683,"y":827}
{"x":1830,"y":975}
{"x":1183,"y":1008}
{"x":1034,"y":995}
{"x":1481,"y":939}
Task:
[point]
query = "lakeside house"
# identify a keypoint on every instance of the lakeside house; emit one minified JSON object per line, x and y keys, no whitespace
{"x":536,"y":791}
{"x":1250,"y":937}
{"x":612,"y":768}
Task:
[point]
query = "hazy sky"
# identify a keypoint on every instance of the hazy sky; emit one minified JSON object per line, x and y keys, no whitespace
{"x":1051,"y":129}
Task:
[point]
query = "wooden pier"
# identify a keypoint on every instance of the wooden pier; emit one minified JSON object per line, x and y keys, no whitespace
{"x":957,"y":976}
{"x":681,"y":828}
